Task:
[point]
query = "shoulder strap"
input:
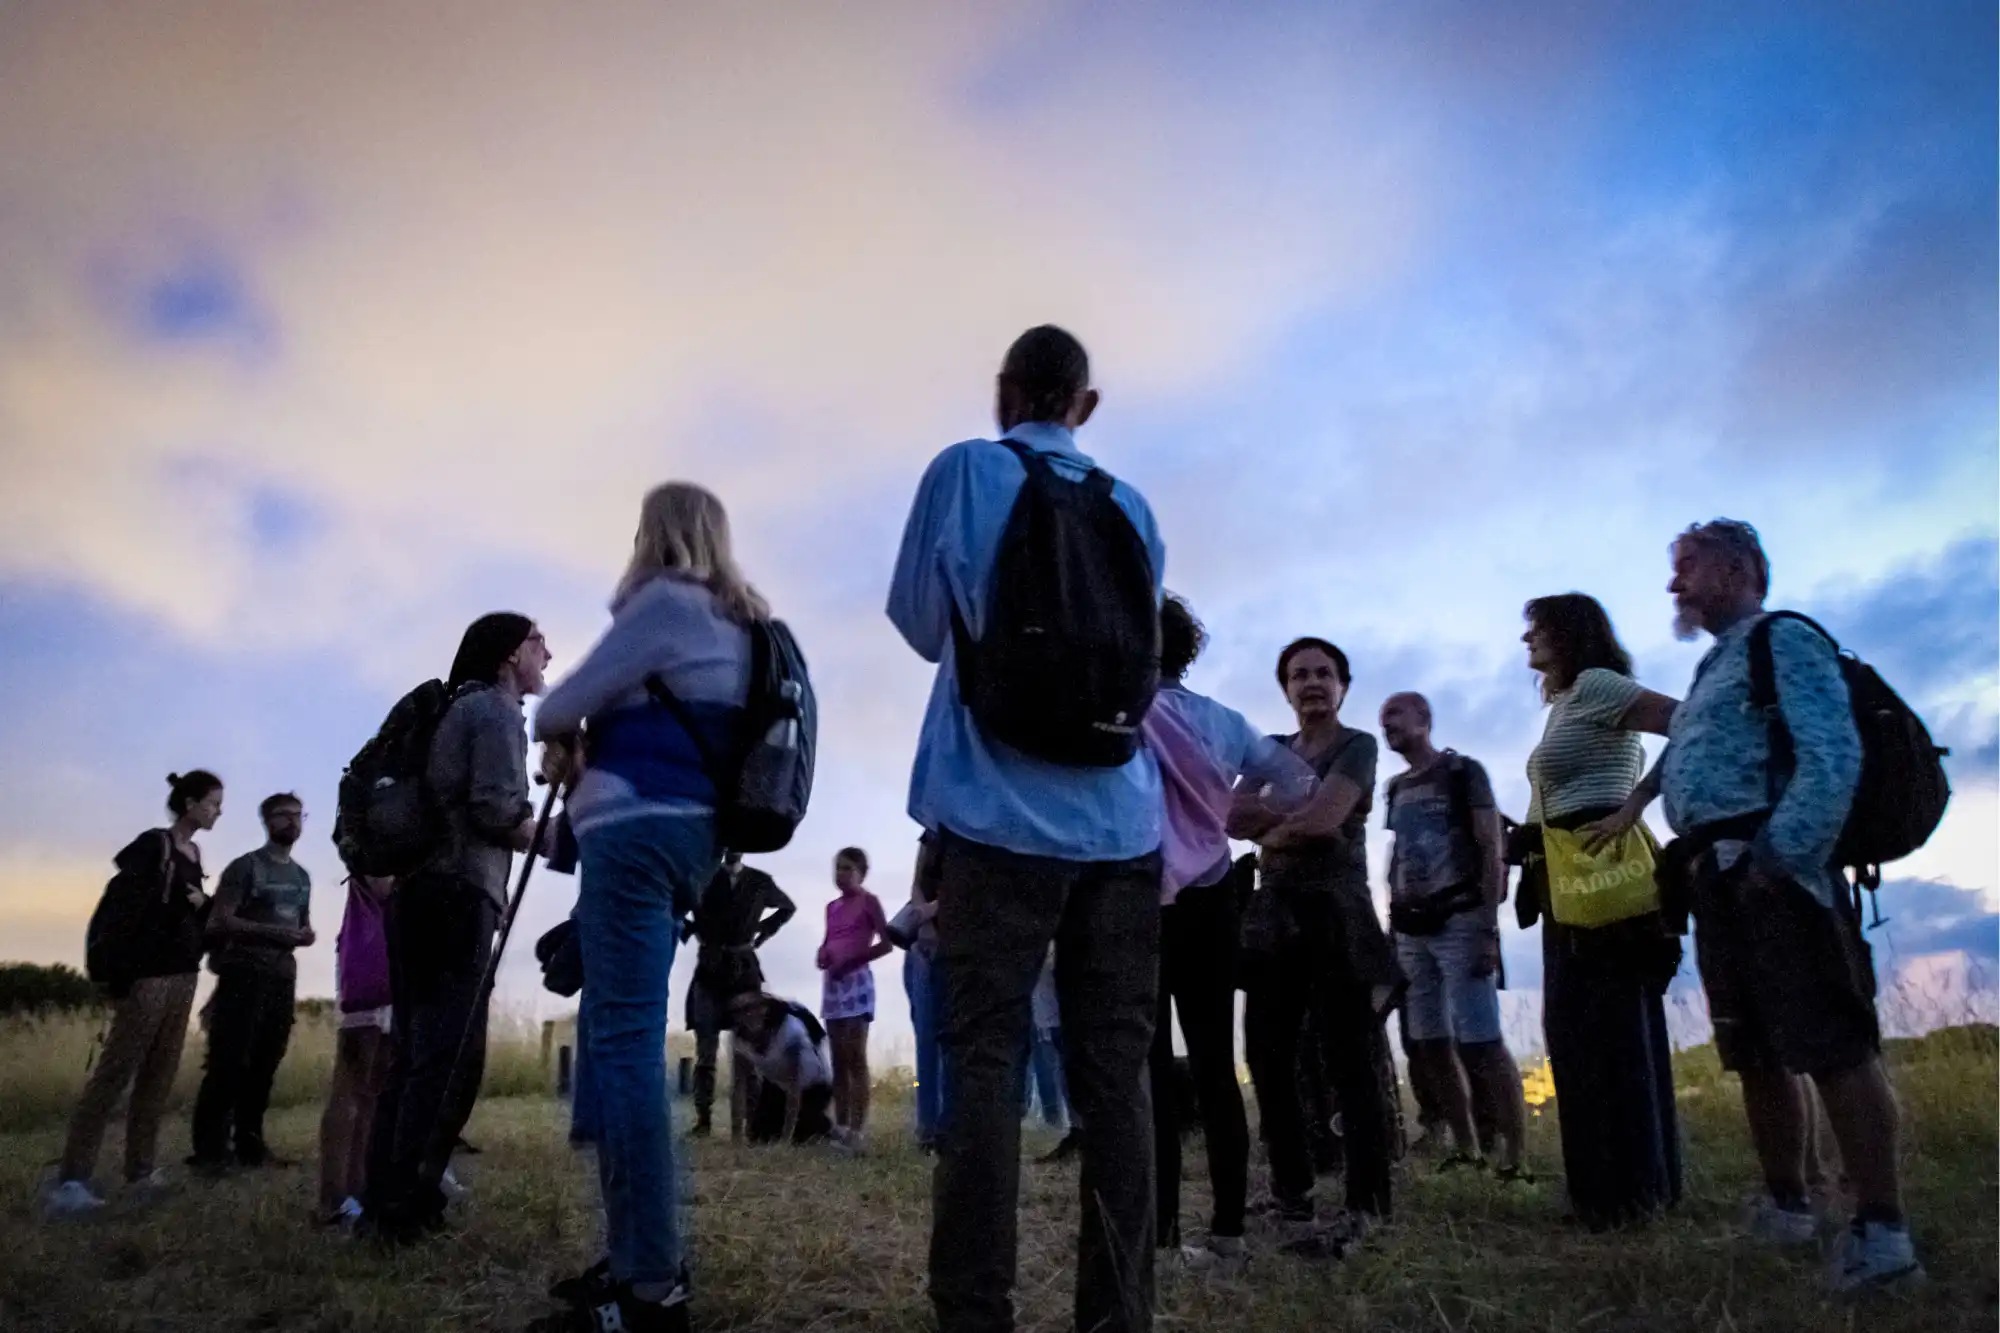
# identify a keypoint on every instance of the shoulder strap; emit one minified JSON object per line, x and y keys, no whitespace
{"x":166,"y":865}
{"x":1763,"y":674}
{"x":1037,"y":465}
{"x":1764,"y":696}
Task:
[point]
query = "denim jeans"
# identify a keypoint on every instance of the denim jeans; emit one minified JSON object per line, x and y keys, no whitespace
{"x":639,"y":876}
{"x":1043,"y":1078}
{"x":583,"y":1119}
{"x":922,"y":979}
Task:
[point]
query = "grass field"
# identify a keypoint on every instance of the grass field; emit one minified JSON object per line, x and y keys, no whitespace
{"x":787,"y":1239}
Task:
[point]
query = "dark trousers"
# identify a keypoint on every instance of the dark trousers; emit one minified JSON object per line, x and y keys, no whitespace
{"x":1197,"y":975}
{"x":997,"y":913}
{"x":248,"y":1030}
{"x":440,"y":935}
{"x":767,"y":1119}
{"x":1304,"y":979}
{"x":1614,"y":1072}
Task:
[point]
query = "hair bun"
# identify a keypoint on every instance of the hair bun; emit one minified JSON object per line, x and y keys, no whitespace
{"x":173,"y":779}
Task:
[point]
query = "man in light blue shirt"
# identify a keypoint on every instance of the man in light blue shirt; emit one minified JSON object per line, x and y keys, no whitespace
{"x":1030,"y":851}
{"x":1790,"y":983}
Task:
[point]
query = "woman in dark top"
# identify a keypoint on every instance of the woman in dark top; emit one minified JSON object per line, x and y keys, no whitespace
{"x":1602,"y":987}
{"x":1327,"y":954}
{"x":145,"y":947}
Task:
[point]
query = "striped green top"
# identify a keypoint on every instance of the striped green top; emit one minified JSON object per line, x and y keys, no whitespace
{"x":1585,"y":759}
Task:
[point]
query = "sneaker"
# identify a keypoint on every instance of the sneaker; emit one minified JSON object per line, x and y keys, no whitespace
{"x":578,"y":1288}
{"x":1327,"y":1240}
{"x":152,"y":1182}
{"x":1215,"y":1254}
{"x":209,"y":1168}
{"x":1873,"y":1256}
{"x":72,"y":1198}
{"x":701,"y":1128}
{"x":1459,"y":1161}
{"x":1515,"y":1175}
{"x":455,"y":1190}
{"x":1071,"y":1145}
{"x":1769,"y":1223}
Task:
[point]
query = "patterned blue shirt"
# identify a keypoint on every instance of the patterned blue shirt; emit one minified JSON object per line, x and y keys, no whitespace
{"x":1718,"y":758}
{"x":961,"y":781}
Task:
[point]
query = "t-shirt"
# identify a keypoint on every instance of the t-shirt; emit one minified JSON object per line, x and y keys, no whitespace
{"x":792,"y":1049}
{"x":1340,"y":862}
{"x":267,"y":891}
{"x":852,"y":927}
{"x":1586,"y":761}
{"x":1436,"y":851}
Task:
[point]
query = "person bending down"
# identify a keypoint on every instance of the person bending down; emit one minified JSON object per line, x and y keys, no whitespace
{"x":788,"y":1048}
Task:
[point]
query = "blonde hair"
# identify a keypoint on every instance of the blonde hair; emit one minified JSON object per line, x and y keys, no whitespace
{"x":684,"y":531}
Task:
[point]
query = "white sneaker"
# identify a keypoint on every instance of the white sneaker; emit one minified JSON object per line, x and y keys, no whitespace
{"x":1764,"y":1221}
{"x":152,"y":1182}
{"x":1873,"y":1257}
{"x":1215,"y":1254}
{"x":455,"y":1191}
{"x":72,"y":1198}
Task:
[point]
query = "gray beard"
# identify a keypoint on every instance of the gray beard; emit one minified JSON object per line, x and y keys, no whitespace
{"x":1687,"y":628}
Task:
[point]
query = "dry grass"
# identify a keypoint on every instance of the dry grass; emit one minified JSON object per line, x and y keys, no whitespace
{"x":46,"y":1060}
{"x":796,"y":1239}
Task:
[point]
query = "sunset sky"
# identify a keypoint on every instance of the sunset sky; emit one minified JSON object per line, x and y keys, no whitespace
{"x":326,"y":328}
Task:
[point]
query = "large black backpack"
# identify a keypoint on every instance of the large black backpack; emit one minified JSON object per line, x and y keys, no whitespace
{"x":121,"y":916}
{"x":1903,"y":789}
{"x":386,"y":822}
{"x":763,"y":782}
{"x":1070,"y":658}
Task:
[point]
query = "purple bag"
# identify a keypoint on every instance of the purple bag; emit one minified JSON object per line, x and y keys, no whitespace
{"x":361,"y":954}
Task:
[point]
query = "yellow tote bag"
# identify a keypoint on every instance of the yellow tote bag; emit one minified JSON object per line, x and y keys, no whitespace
{"x":1613,"y":885}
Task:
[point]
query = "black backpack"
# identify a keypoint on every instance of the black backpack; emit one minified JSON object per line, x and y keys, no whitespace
{"x":808,"y":1019}
{"x":1903,"y":789}
{"x":764,"y":783}
{"x":120,"y":915}
{"x":1070,"y":660}
{"x":386,"y":822}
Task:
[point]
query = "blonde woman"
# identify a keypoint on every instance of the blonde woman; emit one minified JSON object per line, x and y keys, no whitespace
{"x":644,"y":813}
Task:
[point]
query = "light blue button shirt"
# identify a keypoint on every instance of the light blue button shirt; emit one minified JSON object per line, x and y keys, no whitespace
{"x":963,"y":782}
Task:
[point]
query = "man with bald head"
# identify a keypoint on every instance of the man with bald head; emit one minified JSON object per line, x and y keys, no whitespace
{"x":1447,"y":879}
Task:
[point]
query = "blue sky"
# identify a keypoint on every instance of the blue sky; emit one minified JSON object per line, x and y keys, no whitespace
{"x":322,"y":333}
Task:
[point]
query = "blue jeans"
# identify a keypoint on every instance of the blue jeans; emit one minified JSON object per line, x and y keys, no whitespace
{"x":638,"y":877}
{"x":1445,"y":1001}
{"x":923,"y":981}
{"x":1043,"y":1075}
{"x":583,"y":1087}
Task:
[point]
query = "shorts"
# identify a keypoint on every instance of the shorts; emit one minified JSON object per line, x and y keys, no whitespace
{"x":1790,"y":981}
{"x":1445,"y":1002}
{"x":851,"y":996}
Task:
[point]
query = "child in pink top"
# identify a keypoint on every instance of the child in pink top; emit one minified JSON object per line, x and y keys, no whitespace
{"x":856,"y":935}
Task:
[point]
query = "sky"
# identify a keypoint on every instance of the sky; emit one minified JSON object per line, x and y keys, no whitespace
{"x":325,"y":329}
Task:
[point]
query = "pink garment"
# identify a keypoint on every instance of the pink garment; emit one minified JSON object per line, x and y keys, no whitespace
{"x":361,"y":954}
{"x":852,"y":927}
{"x":1194,"y":836}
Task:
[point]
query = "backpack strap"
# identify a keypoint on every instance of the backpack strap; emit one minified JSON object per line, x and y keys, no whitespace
{"x":1764,"y":695}
{"x":166,"y":866}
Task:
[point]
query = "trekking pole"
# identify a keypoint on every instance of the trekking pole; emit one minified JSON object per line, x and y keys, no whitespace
{"x":442,"y":1152}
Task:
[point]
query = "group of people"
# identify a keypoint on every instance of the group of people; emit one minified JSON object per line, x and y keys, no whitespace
{"x":1079,"y":803}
